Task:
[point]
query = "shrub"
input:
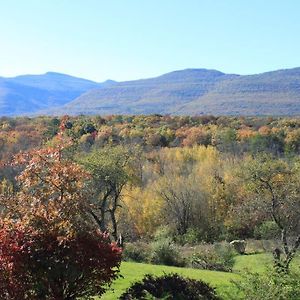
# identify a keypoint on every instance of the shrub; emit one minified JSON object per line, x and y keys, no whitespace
{"x":169,"y":287}
{"x":138,"y":252}
{"x":165,"y":252}
{"x":163,"y":232}
{"x":267,"y":230}
{"x":226,"y":254}
{"x":191,"y":237}
{"x":44,"y":265}
{"x":271,"y":286}
{"x":220,"y":257}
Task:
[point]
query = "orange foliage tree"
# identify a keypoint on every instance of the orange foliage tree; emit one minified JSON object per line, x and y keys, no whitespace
{"x":49,"y":246}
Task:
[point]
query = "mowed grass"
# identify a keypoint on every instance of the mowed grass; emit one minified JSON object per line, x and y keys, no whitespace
{"x":222,"y":281}
{"x":132,"y":272}
{"x":260,"y":263}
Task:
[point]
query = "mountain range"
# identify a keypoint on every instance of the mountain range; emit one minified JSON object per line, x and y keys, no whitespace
{"x":184,"y":92}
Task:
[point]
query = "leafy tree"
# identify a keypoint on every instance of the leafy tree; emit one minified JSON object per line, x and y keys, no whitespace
{"x":225,"y":140}
{"x":49,"y":247}
{"x":181,"y":196}
{"x":276,"y":185}
{"x":53,"y":128}
{"x":180,"y":186}
{"x":292,"y":141}
{"x":110,"y":170}
{"x":51,"y":188}
{"x":196,"y":136}
{"x":143,"y":206}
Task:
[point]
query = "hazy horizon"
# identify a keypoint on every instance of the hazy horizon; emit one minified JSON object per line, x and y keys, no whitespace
{"x":133,"y":79}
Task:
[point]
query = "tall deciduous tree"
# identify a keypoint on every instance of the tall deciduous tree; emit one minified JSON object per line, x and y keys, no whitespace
{"x":51,"y":188}
{"x":110,"y":169}
{"x":276,"y":185}
{"x":49,"y":245}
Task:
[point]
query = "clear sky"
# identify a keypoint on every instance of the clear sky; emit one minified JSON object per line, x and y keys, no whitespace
{"x":130,"y":39}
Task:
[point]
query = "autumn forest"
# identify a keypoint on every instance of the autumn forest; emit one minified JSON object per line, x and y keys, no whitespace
{"x":150,"y":185}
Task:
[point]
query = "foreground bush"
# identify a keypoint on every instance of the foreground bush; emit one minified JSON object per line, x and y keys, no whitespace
{"x":43,"y":265}
{"x":169,"y":287}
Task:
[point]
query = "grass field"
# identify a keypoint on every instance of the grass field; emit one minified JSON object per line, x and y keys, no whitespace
{"x":132,"y":272}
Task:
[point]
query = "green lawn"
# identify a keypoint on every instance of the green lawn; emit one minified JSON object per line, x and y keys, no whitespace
{"x":259,"y":262}
{"x":132,"y":272}
{"x":253,"y":263}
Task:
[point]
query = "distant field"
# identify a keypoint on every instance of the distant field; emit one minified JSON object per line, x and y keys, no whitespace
{"x":132,"y":272}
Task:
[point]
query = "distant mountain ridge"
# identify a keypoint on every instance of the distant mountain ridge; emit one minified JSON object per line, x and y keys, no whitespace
{"x":183,"y":92}
{"x":27,"y":94}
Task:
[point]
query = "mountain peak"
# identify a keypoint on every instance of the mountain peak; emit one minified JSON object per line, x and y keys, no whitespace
{"x":192,"y":74}
{"x":50,"y":73}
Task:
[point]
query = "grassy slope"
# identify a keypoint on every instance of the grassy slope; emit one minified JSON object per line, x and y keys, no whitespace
{"x":135,"y":271}
{"x":132,"y":272}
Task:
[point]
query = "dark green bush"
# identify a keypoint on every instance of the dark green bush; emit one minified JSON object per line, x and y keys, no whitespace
{"x":169,"y":287}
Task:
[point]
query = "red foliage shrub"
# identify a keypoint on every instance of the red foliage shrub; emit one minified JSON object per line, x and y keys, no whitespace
{"x":43,"y":265}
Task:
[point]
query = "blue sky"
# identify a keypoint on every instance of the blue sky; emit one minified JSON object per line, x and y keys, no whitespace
{"x":130,"y":39}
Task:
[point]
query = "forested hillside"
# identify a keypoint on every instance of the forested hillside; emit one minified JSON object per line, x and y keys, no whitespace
{"x":196,"y":92}
{"x":183,"y":92}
